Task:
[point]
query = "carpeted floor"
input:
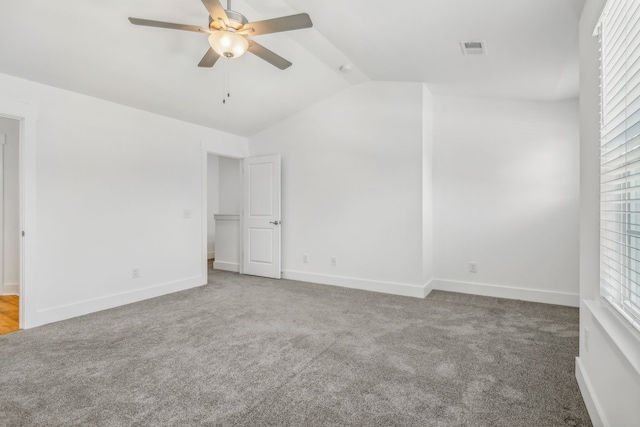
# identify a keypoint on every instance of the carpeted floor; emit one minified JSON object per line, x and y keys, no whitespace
{"x":252,"y":351}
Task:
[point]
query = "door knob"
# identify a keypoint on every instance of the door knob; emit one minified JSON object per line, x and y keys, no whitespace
{"x":275,"y":222}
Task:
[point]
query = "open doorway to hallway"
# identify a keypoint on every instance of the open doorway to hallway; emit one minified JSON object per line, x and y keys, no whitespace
{"x":224,"y":201}
{"x":9,"y":225}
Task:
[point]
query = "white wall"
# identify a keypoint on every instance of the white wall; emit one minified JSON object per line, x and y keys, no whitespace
{"x":213,"y":190}
{"x":506,"y":197}
{"x":352,"y":174}
{"x":10,"y":227}
{"x":112,"y":186}
{"x":230,"y":186}
{"x":608,"y":369}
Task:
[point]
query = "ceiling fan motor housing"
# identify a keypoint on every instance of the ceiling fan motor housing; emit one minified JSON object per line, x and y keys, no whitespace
{"x":236,"y":21}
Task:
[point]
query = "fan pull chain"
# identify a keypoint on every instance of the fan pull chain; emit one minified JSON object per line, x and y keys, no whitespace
{"x":224,"y":77}
{"x":226,"y":91}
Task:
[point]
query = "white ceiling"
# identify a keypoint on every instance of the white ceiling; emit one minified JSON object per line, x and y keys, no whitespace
{"x":90,"y":47}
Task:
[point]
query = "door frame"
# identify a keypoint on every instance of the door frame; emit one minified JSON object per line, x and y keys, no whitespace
{"x":206,"y":150}
{"x":27,"y":115}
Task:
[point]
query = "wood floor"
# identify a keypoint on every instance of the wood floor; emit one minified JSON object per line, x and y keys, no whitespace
{"x":8,"y":314}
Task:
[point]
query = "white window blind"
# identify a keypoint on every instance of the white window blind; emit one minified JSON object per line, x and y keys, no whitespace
{"x":620,"y":158}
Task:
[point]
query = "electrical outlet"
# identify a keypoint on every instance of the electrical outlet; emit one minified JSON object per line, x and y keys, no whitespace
{"x":473,"y":267}
{"x":135,"y":273}
{"x":334,"y":261}
{"x":305,"y":259}
{"x":186,"y":213}
{"x":586,"y":339}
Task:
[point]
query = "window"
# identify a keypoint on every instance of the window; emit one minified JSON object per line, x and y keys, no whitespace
{"x":619,"y":30}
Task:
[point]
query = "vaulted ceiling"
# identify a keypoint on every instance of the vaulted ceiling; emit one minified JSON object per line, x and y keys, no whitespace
{"x":90,"y":47}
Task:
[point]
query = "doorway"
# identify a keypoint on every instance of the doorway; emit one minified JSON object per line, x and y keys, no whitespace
{"x":26,"y":115}
{"x":234,"y":198}
{"x":9,"y":224}
{"x":224,"y":199}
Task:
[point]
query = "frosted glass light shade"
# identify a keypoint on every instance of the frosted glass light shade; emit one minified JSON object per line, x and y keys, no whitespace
{"x":228,"y":44}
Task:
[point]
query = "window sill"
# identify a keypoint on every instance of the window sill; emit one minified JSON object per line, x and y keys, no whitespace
{"x":623,"y":336}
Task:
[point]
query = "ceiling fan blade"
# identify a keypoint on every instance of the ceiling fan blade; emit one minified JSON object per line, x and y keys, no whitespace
{"x":269,"y":56}
{"x":276,"y":25}
{"x":170,"y":25}
{"x":216,"y":10}
{"x":209,"y":59}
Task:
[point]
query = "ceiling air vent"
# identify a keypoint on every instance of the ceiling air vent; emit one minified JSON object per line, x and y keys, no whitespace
{"x":473,"y":47}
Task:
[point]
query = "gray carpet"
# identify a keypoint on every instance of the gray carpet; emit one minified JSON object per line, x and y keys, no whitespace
{"x":251,"y":351}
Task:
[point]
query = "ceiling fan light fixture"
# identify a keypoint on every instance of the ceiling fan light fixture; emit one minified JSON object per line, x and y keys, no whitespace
{"x":228,"y":44}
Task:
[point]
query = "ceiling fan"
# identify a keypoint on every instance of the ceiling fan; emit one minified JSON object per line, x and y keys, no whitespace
{"x":229,"y":30}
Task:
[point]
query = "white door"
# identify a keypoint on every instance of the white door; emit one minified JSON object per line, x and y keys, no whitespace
{"x":261,"y":217}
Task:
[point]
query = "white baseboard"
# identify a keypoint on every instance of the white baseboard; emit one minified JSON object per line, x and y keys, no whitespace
{"x":402,"y":289}
{"x":590,"y":401}
{"x":10,"y":289}
{"x":509,"y":292}
{"x":428,"y":288}
{"x":81,"y":308}
{"x":226,"y":266}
